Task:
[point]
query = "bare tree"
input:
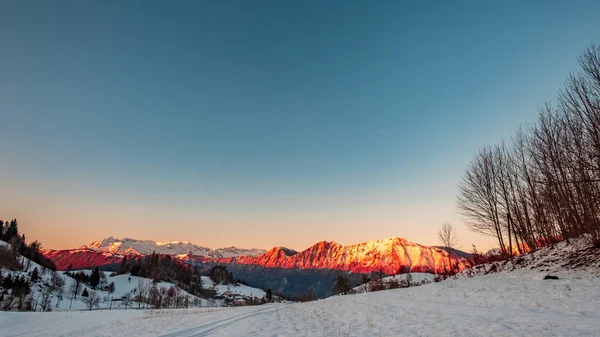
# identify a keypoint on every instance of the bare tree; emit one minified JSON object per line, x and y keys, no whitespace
{"x":545,"y":185}
{"x":74,"y":291}
{"x":58,"y":285}
{"x":45,"y":300}
{"x":127,"y":298}
{"x":92,"y":300}
{"x":478,"y":199}
{"x":143,"y":291}
{"x":447,"y":235}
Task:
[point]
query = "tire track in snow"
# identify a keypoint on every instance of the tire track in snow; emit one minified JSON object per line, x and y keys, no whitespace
{"x":209,"y":328}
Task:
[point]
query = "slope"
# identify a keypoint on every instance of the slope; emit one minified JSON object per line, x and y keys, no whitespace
{"x":519,"y":303}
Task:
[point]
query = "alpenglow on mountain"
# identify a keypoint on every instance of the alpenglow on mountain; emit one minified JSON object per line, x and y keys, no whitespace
{"x":389,"y":256}
{"x":128,"y":246}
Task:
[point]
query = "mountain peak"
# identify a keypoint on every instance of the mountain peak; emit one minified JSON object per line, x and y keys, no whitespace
{"x":128,"y":246}
{"x":389,"y":255}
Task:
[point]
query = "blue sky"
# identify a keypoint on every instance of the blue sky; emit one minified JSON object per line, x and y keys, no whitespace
{"x":265,"y":123}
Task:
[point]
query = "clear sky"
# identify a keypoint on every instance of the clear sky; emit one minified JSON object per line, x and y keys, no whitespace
{"x":262,"y":123}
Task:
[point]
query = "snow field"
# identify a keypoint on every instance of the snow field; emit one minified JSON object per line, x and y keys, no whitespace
{"x":519,"y":303}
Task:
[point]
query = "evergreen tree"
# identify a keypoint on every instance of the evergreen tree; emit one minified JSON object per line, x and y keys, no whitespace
{"x":219,"y":274}
{"x":341,"y":285}
{"x":35,"y":275}
{"x":85,"y":293}
{"x":123,"y":266}
{"x":95,"y":278}
{"x":12,"y":230}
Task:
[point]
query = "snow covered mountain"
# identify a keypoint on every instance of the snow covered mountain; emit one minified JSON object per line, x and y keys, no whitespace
{"x":389,"y":256}
{"x":280,"y":269}
{"x":80,"y":258}
{"x":129,"y":246}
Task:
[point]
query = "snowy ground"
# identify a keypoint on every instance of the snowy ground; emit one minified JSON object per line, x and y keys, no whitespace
{"x":416,"y":279}
{"x":239,"y":289}
{"x":519,"y":303}
{"x":124,"y":283}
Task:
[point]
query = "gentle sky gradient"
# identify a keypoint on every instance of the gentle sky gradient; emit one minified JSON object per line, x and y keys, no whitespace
{"x":263,"y":123}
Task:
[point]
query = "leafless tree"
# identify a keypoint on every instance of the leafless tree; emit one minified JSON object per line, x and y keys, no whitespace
{"x":93,"y":300}
{"x":143,"y":291}
{"x":45,"y":300}
{"x":58,"y":285}
{"x":544,"y":185}
{"x":127,"y":298}
{"x":447,"y":235}
{"x":74,"y":290}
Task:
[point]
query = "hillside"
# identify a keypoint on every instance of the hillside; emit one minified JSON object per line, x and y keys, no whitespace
{"x":518,"y":303}
{"x":309,"y":273}
{"x":49,"y":290}
{"x":395,"y":281}
{"x":81,"y":258}
{"x":577,"y":256}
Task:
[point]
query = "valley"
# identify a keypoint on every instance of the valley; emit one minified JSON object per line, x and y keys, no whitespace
{"x":307,"y":273}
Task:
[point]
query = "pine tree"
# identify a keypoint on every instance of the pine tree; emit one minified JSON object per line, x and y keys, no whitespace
{"x":95,"y":278}
{"x":123,"y":266}
{"x":85,"y":293}
{"x":341,"y":285}
{"x":35,"y":275}
{"x":12,"y":230}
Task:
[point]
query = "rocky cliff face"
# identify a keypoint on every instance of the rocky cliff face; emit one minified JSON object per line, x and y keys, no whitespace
{"x":389,"y":256}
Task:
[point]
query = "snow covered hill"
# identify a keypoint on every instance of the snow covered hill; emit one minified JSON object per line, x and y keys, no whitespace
{"x":44,"y":292}
{"x":578,"y":256}
{"x":396,"y":281}
{"x":146,"y":247}
{"x":518,"y":303}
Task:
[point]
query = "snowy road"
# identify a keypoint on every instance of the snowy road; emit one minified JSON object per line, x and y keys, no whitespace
{"x":505,"y":304}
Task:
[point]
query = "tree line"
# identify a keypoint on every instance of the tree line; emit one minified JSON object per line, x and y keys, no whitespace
{"x":164,"y":268}
{"x":16,"y":288}
{"x":9,"y":232}
{"x":543,"y":184}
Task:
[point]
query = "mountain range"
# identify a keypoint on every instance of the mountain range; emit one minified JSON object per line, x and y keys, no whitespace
{"x":389,"y":256}
{"x":129,"y":246}
{"x":279,"y":268}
